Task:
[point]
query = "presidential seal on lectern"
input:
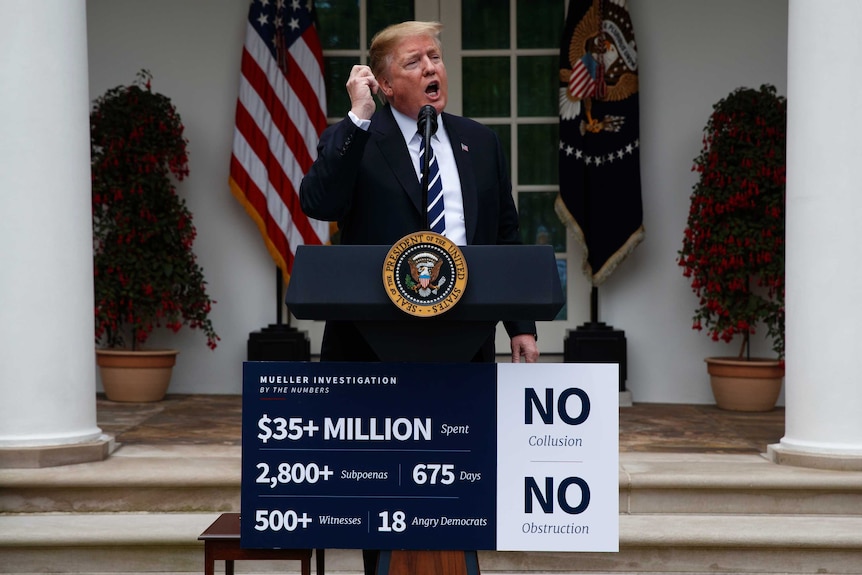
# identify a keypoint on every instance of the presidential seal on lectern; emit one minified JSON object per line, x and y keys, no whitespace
{"x":424,"y":274}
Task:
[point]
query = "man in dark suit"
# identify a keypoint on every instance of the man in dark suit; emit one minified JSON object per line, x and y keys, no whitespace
{"x":367,"y":174}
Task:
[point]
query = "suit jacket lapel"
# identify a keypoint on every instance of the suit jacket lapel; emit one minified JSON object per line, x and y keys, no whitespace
{"x":391,"y":145}
{"x":465,"y":173}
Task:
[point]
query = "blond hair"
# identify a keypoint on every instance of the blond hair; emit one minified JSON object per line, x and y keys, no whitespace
{"x":384,"y":43}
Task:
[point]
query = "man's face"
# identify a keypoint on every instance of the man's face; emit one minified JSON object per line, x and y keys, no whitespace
{"x":416,"y":77}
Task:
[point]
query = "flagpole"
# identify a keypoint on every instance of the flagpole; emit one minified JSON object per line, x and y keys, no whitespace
{"x":279,"y":284}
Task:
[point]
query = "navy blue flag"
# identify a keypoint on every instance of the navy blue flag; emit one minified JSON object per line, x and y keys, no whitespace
{"x":600,"y":187}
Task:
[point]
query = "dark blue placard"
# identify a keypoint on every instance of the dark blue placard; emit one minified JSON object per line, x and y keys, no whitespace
{"x":357,"y":455}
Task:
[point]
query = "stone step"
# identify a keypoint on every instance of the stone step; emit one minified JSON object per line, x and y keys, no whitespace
{"x":207,"y":479}
{"x":736,"y":484}
{"x":135,"y":478}
{"x":649,"y":543}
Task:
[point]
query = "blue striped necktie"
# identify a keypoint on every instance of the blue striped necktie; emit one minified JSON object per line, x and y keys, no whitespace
{"x":436,"y":218}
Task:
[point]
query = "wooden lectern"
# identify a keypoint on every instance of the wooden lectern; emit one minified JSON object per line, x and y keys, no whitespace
{"x":504,"y":283}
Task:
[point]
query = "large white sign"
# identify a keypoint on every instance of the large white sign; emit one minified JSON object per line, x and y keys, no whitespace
{"x":558,"y":457}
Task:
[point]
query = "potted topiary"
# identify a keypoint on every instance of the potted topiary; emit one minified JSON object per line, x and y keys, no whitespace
{"x":733,"y":246}
{"x":145,"y":272}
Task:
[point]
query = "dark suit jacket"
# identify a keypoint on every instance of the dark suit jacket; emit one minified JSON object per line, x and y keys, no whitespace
{"x":366,"y":181}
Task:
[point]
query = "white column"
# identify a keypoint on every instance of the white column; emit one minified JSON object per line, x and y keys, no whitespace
{"x":823,"y":394}
{"x":47,"y":373}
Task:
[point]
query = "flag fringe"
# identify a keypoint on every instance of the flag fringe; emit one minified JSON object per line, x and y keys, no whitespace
{"x":261,"y":226}
{"x":599,"y":277}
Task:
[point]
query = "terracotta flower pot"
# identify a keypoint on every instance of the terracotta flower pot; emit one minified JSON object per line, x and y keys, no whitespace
{"x":745,"y":385}
{"x":136,"y":376}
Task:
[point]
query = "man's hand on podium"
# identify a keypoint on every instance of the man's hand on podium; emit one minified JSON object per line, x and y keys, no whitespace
{"x":524,"y":346}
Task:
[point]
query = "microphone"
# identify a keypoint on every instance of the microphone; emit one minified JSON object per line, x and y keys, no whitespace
{"x":427,"y":124}
{"x":427,"y":127}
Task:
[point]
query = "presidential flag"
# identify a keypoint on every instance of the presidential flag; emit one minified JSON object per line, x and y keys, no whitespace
{"x":280,"y":113}
{"x":600,"y":196}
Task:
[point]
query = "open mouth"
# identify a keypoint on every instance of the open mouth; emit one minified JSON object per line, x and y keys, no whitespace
{"x":433,"y":89}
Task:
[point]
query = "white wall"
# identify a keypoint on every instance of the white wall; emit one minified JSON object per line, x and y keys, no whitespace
{"x":692,"y":53}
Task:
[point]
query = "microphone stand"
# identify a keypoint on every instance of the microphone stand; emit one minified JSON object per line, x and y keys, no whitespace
{"x":427,"y":126}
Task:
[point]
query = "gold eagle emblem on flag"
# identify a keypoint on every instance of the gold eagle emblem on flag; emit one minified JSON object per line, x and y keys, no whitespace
{"x":603,"y":65}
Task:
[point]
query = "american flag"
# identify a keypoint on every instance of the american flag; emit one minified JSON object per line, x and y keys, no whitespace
{"x":280,"y":113}
{"x":582,"y":83}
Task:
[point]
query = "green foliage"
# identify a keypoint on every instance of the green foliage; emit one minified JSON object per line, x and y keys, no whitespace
{"x":733,"y":248}
{"x":146,"y":274}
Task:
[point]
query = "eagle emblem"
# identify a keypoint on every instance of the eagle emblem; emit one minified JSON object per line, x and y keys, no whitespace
{"x":603,"y":65}
{"x":424,"y":274}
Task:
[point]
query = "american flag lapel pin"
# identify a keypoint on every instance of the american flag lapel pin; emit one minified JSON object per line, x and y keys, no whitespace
{"x":464,"y":147}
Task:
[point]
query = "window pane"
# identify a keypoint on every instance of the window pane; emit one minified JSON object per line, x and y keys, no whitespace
{"x":537,"y":154}
{"x":486,"y":87}
{"x":540,"y":23}
{"x":335,"y":73}
{"x":538,"y":85}
{"x":484,"y":24}
{"x":382,"y":13}
{"x":540,"y":224}
{"x":338,"y":24}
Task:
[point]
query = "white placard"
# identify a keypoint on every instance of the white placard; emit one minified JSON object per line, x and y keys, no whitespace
{"x":558,"y":457}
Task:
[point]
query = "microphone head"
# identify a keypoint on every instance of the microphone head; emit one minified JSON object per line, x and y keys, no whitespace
{"x":427,"y":116}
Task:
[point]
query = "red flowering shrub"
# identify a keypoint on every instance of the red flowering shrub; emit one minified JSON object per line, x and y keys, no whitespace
{"x":146,"y":274}
{"x":733,"y":248}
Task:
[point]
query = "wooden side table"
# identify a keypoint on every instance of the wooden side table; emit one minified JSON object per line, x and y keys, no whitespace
{"x":221,"y":542}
